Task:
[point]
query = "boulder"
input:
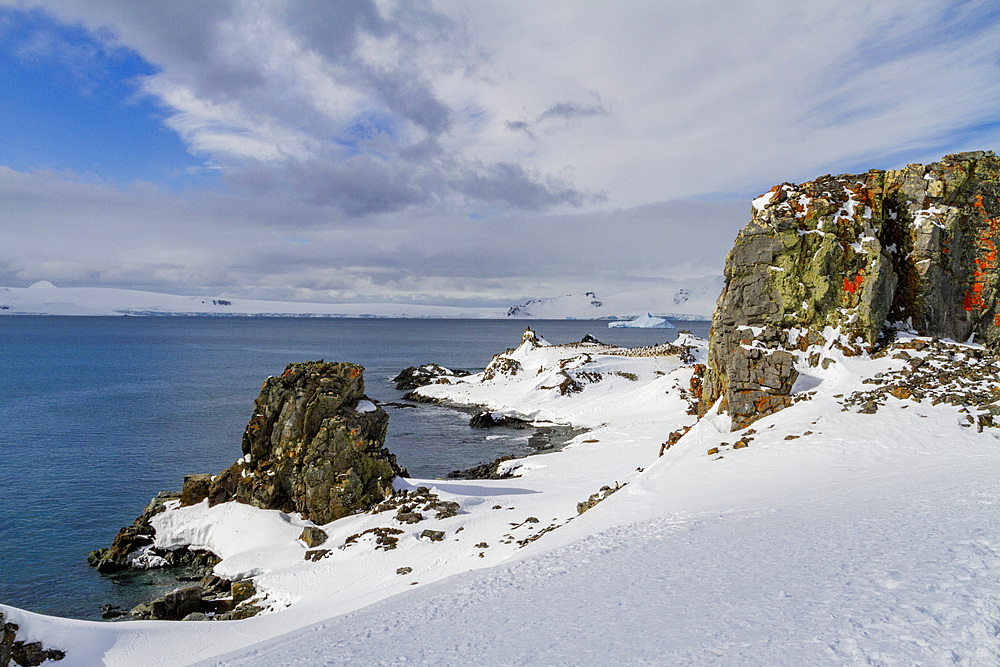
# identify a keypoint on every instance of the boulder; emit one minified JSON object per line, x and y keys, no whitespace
{"x":418,"y":376}
{"x":488,"y":419}
{"x":313,"y":536}
{"x":195,"y":489}
{"x":314,"y":445}
{"x":853,"y":252}
{"x":243,"y":590}
{"x":485,"y":470}
{"x":176,"y":605}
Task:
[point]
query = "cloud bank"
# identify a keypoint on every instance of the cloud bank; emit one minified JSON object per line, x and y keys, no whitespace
{"x":483,"y":152}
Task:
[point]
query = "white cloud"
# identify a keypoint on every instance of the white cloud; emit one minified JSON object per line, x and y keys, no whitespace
{"x":92,"y":233}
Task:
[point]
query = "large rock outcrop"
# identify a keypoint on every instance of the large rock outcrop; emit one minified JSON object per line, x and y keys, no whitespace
{"x":314,"y":445}
{"x":846,"y":254}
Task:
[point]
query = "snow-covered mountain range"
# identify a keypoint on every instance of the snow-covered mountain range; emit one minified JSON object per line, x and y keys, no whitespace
{"x":687,"y":300}
{"x":682,"y":301}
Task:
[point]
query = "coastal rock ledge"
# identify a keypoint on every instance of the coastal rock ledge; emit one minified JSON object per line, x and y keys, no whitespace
{"x":314,"y":445}
{"x":841,"y":261}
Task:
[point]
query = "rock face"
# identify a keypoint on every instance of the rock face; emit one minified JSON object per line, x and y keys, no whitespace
{"x":851,"y":252}
{"x":313,"y":445}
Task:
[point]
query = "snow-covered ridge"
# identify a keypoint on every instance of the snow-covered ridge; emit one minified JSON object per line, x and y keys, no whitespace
{"x":686,"y":300}
{"x":689,"y":301}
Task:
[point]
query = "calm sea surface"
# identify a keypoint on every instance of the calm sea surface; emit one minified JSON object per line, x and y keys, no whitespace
{"x":99,"y":414}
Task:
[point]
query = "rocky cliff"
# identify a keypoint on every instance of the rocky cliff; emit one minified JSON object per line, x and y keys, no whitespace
{"x":836,"y":259}
{"x":313,"y":446}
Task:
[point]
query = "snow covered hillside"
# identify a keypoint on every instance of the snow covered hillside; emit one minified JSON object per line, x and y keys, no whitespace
{"x":858,"y":525}
{"x":687,"y":300}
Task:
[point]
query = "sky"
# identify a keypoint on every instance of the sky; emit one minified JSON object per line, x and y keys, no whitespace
{"x":450,"y":152}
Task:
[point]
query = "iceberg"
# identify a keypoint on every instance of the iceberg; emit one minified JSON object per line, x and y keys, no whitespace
{"x":646,"y":321}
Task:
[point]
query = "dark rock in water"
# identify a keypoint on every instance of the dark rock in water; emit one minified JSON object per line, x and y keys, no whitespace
{"x":213,"y":583}
{"x":418,"y":376}
{"x":199,"y":603}
{"x":484,"y":470}
{"x":420,"y":398}
{"x":195,"y":489}
{"x":590,"y":340}
{"x":313,"y":536}
{"x":487,"y":419}
{"x":916,"y":245}
{"x":311,"y":449}
{"x":109,"y":612}
{"x":178,"y":604}
{"x":130,"y":538}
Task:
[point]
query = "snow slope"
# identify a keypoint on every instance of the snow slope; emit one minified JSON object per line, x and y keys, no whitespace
{"x":834,"y":536}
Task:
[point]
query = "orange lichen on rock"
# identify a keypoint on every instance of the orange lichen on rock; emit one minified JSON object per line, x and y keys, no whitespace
{"x":851,"y":286}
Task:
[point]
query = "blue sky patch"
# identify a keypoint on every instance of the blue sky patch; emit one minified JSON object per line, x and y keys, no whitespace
{"x":72,"y":102}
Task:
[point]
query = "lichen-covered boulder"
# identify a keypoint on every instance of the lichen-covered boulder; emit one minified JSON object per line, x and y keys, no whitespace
{"x":841,"y":255}
{"x":314,"y":445}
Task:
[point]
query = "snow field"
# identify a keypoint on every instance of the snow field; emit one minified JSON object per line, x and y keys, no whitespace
{"x":833,"y":537}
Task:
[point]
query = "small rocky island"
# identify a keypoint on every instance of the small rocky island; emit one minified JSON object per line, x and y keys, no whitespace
{"x":314,"y":445}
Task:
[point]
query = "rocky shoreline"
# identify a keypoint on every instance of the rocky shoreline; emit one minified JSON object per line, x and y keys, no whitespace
{"x":314,"y":446}
{"x":313,"y":435}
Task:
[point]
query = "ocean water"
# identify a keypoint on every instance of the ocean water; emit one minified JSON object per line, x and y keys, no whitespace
{"x":99,"y":414}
